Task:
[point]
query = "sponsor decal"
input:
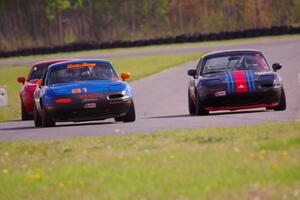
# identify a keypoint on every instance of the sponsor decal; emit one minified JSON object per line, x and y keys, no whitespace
{"x":78,"y":65}
{"x":220,"y":93}
{"x":89,"y":96}
{"x":90,"y":105}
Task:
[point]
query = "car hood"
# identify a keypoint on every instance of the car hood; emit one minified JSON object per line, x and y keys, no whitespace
{"x":239,"y":81}
{"x":88,"y":87}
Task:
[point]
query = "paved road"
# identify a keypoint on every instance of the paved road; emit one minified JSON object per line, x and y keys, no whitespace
{"x":161,"y":99}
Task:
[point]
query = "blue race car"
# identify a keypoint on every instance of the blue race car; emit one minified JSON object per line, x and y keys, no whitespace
{"x":82,"y":90}
{"x":232,"y":80}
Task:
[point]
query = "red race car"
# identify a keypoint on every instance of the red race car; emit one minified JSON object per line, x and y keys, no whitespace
{"x":26,"y":94}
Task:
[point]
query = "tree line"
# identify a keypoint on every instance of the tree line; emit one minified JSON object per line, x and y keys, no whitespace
{"x":36,"y":23}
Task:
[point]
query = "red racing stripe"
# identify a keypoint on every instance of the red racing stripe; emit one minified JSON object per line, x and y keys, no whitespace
{"x":240,"y":81}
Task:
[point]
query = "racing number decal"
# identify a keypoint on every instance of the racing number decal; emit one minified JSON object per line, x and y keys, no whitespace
{"x":78,"y":90}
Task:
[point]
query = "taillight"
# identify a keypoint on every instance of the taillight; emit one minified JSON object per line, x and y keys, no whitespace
{"x":63,"y":100}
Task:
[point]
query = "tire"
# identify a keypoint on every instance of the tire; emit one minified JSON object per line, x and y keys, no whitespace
{"x":24,"y":114}
{"x":192,"y":107}
{"x":129,"y":117}
{"x":36,"y":117}
{"x":46,"y":118}
{"x":199,"y":107}
{"x":282,"y":102}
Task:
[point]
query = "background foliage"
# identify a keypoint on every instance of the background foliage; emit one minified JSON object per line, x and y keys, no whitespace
{"x":34,"y":23}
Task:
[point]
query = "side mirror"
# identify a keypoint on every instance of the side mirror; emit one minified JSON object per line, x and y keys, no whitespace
{"x":21,"y":79}
{"x":276,"y":66}
{"x":191,"y":72}
{"x":125,"y":75}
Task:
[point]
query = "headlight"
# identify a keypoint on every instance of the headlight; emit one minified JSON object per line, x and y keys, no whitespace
{"x":127,"y":92}
{"x":277,"y":83}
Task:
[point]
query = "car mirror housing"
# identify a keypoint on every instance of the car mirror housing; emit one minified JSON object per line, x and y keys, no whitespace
{"x":276,"y":66}
{"x":125,"y":75}
{"x":21,"y":79}
{"x":191,"y":72}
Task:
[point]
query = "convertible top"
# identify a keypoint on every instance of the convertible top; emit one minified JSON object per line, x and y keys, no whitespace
{"x":226,"y":52}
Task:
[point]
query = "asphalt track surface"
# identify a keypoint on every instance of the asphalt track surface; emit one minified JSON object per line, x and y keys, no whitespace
{"x":161,"y":99}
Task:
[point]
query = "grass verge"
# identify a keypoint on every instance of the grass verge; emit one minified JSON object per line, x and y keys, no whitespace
{"x":248,"y":162}
{"x":74,"y":54}
{"x":140,"y":67}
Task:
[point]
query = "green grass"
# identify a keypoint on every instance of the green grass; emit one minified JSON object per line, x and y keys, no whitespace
{"x":139,"y":67}
{"x":73,"y":54}
{"x":8,"y":77}
{"x":248,"y":162}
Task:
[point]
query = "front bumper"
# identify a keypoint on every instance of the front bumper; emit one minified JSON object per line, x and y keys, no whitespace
{"x":77,"y":110}
{"x":247,"y":100}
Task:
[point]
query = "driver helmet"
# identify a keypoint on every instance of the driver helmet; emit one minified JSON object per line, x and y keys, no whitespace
{"x":250,"y":61}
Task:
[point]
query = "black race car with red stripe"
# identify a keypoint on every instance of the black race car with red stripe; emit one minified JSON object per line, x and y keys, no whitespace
{"x":232,"y":80}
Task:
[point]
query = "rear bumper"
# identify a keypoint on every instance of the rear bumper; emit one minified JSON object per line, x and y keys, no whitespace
{"x":77,"y":111}
{"x":269,"y":98}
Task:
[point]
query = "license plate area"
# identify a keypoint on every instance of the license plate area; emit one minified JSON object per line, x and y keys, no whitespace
{"x":90,"y":105}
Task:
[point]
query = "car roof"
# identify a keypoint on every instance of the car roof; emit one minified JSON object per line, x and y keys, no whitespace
{"x":51,"y":61}
{"x":232,"y":51}
{"x":78,"y":61}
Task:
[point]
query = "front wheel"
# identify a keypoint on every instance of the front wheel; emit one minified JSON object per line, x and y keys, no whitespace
{"x":282,"y":102}
{"x":192,"y":108}
{"x":36,"y":117}
{"x":24,"y":114}
{"x":129,"y":117}
{"x":46,"y":118}
{"x":200,"y":110}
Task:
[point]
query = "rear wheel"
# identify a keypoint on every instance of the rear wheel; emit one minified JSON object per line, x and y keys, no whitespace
{"x":36,"y":117}
{"x":129,"y":117}
{"x":46,"y":118}
{"x":192,"y":108}
{"x":200,"y":110}
{"x":24,"y":114}
{"x":282,"y":102}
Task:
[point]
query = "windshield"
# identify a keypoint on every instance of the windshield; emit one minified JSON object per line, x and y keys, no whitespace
{"x":235,"y":61}
{"x":82,"y":72}
{"x":38,"y":72}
